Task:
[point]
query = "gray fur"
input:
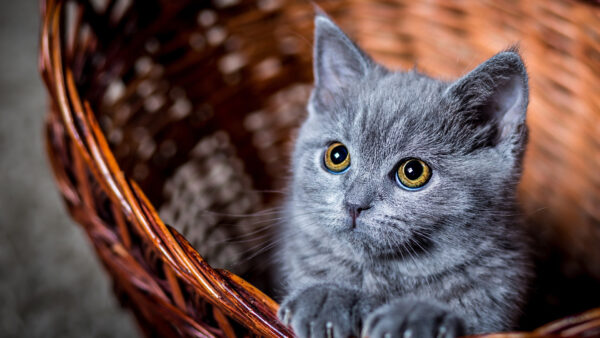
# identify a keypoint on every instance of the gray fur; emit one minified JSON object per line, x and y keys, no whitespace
{"x":448,"y":257}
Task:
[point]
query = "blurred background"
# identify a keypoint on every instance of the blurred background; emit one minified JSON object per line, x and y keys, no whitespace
{"x":51,"y":283}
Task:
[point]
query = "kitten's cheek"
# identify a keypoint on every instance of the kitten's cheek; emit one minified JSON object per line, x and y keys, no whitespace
{"x":333,"y":199}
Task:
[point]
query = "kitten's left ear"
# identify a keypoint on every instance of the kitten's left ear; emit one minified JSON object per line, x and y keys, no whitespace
{"x":338,"y":62}
{"x":496,"y":95}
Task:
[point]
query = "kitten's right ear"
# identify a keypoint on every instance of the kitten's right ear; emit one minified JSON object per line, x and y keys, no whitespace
{"x":338,"y":62}
{"x":496,"y":94}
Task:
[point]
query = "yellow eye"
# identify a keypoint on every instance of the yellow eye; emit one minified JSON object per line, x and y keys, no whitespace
{"x":413,"y":174}
{"x":337,"y":158}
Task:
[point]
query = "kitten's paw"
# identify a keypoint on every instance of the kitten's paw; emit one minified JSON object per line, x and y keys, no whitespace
{"x":321,"y":311}
{"x":412,"y":319}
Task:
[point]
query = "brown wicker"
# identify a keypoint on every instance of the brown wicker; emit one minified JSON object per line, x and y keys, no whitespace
{"x":135,"y":85}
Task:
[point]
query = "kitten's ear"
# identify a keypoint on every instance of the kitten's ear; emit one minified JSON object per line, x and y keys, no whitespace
{"x":337,"y":61}
{"x":495,"y":95}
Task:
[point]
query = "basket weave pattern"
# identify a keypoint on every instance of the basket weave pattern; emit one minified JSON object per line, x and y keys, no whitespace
{"x":136,"y":86}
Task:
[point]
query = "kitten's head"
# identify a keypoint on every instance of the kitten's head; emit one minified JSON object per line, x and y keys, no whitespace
{"x":388,"y":160}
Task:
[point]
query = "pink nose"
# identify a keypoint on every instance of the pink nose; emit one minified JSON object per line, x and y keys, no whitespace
{"x":355,"y":210}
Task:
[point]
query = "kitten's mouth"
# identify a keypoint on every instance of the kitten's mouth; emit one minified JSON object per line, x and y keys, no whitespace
{"x":381,"y":239}
{"x":357,"y":224}
{"x":360,"y":228}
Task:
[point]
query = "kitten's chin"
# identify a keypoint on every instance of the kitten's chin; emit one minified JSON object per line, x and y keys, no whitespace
{"x":369,"y":239}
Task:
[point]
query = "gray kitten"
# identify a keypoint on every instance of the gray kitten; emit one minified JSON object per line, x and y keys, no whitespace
{"x":402,"y":219}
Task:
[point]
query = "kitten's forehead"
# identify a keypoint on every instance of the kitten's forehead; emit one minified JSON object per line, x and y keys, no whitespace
{"x":384,"y":114}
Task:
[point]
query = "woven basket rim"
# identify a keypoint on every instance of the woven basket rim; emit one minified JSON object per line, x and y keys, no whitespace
{"x":254,"y":309}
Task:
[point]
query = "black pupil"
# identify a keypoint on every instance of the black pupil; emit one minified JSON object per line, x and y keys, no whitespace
{"x":413,"y":169}
{"x":338,"y":154}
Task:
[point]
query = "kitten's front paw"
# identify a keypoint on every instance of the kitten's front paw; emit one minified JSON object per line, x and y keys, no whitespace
{"x":321,"y":311}
{"x":409,"y":318}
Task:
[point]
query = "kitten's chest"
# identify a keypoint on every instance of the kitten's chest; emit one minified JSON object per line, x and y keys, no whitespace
{"x":375,"y":283}
{"x":386,"y":280}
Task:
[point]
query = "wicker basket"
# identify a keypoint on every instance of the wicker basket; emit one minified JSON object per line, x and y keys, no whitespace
{"x":136,"y":85}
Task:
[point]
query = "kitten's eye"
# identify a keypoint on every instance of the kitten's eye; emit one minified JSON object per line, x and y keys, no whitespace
{"x":413,"y":174}
{"x":337,"y":158}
